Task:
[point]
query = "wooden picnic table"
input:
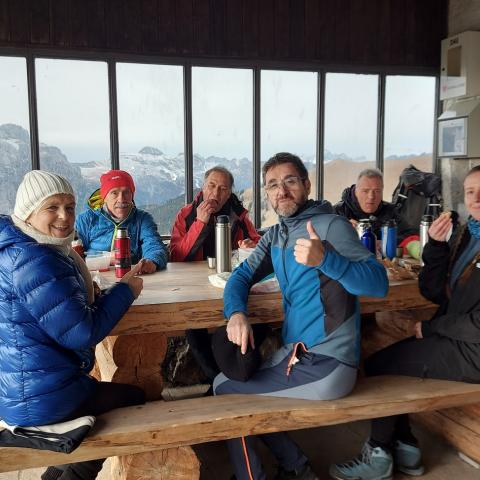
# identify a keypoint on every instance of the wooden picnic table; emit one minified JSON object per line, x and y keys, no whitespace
{"x":176,"y":299}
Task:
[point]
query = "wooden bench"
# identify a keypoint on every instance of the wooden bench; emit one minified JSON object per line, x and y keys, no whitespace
{"x":172,"y":301}
{"x":162,"y":425}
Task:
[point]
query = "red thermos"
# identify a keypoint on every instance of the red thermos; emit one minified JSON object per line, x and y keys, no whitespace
{"x":123,"y":261}
{"x":77,"y":245}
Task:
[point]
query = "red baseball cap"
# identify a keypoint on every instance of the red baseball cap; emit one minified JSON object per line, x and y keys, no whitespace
{"x":115,"y":179}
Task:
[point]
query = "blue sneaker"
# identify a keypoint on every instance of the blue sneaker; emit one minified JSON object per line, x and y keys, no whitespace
{"x":408,"y":459}
{"x":373,"y":463}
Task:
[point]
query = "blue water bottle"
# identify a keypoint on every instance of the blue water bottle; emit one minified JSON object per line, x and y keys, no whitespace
{"x":389,"y":239}
{"x":369,"y":240}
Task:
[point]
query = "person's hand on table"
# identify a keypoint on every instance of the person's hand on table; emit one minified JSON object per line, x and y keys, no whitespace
{"x":440,"y":227}
{"x":148,"y":267}
{"x":133,"y":281}
{"x":246,"y":243}
{"x":240,"y":332}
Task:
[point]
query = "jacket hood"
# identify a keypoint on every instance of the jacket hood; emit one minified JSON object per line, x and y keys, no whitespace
{"x":95,"y":201}
{"x":349,"y":198}
{"x":10,"y":234}
{"x":309,"y":209}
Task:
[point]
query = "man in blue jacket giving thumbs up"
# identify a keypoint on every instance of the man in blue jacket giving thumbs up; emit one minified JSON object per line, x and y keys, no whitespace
{"x":321,"y":267}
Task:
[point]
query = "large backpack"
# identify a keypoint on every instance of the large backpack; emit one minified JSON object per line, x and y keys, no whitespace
{"x":416,"y":194}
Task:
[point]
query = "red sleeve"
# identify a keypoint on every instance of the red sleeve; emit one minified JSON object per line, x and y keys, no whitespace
{"x":182,"y":242}
{"x":252,"y":232}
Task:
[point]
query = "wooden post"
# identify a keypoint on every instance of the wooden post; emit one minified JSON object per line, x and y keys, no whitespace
{"x":137,"y":359}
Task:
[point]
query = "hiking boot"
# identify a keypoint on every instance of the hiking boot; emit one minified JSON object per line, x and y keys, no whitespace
{"x":408,"y":459}
{"x":305,"y":472}
{"x":373,"y":463}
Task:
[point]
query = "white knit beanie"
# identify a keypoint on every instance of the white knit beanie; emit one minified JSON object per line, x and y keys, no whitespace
{"x":36,"y":187}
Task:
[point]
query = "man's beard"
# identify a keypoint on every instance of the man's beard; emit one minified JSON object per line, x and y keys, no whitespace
{"x":290,"y":208}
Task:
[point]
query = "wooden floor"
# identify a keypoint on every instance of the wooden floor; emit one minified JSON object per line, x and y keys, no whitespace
{"x":322,"y":446}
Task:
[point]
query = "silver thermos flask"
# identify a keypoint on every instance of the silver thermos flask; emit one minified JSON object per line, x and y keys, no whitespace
{"x":424,"y":226}
{"x":223,"y":244}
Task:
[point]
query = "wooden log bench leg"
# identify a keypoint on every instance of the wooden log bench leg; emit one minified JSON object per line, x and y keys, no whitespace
{"x":137,"y":359}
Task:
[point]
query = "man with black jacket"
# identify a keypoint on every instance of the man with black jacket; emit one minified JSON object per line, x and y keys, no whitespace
{"x":447,"y":347}
{"x":365,"y":200}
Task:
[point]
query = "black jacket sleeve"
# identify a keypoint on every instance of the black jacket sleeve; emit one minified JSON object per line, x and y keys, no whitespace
{"x":433,"y":276}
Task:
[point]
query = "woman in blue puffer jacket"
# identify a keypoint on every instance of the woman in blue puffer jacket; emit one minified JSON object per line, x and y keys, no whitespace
{"x":50,"y":320}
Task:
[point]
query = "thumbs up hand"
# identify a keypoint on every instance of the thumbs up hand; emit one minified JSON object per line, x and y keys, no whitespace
{"x":309,"y":251}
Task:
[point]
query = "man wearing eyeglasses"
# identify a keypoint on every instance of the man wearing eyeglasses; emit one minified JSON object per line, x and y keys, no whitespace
{"x":193,"y":238}
{"x":321,"y":268}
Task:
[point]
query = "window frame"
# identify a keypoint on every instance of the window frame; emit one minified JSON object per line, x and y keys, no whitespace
{"x":257,"y":66}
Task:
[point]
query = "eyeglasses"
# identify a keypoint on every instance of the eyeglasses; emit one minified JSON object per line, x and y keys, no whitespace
{"x":288,"y":183}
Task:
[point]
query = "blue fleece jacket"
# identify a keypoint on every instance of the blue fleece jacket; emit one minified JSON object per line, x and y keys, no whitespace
{"x":320,"y":303}
{"x":97,"y":229}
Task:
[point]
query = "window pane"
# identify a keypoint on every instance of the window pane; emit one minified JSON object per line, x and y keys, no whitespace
{"x":151,"y":137}
{"x":222,"y":124}
{"x":409,"y":124}
{"x":73,"y":122}
{"x":288,"y":121}
{"x":350,"y":130}
{"x":15,"y":158}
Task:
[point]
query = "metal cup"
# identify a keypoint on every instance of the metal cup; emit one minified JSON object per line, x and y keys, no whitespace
{"x":212,"y":262}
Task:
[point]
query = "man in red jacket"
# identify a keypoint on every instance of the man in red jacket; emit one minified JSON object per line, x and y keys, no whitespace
{"x":193,"y":238}
{"x":193,"y":234}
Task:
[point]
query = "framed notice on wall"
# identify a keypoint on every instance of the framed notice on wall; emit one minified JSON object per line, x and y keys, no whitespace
{"x":452,"y":137}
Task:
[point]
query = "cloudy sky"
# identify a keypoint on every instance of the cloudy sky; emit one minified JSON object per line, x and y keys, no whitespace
{"x":73,"y":110}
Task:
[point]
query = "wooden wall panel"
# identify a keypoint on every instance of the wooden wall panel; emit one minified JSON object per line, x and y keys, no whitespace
{"x":326,"y":31}
{"x":61,"y":23}
{"x":148,"y":24}
{"x":363,"y":43}
{"x":373,"y":33}
{"x":40,"y":22}
{"x":234,"y":27}
{"x":251,"y":35}
{"x":201,"y":27}
{"x":412,"y":42}
{"x":312,"y":26}
{"x":384,"y":34}
{"x":398,"y":29}
{"x":4,"y":24}
{"x":266,"y":9}
{"x":342,"y":29}
{"x":218,"y":13}
{"x":282,"y":28}
{"x":97,"y":21}
{"x":297,"y":28}
{"x":166,"y":27}
{"x":79,"y":23}
{"x":133,"y":25}
{"x":19,"y":22}
{"x":184,"y":28}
